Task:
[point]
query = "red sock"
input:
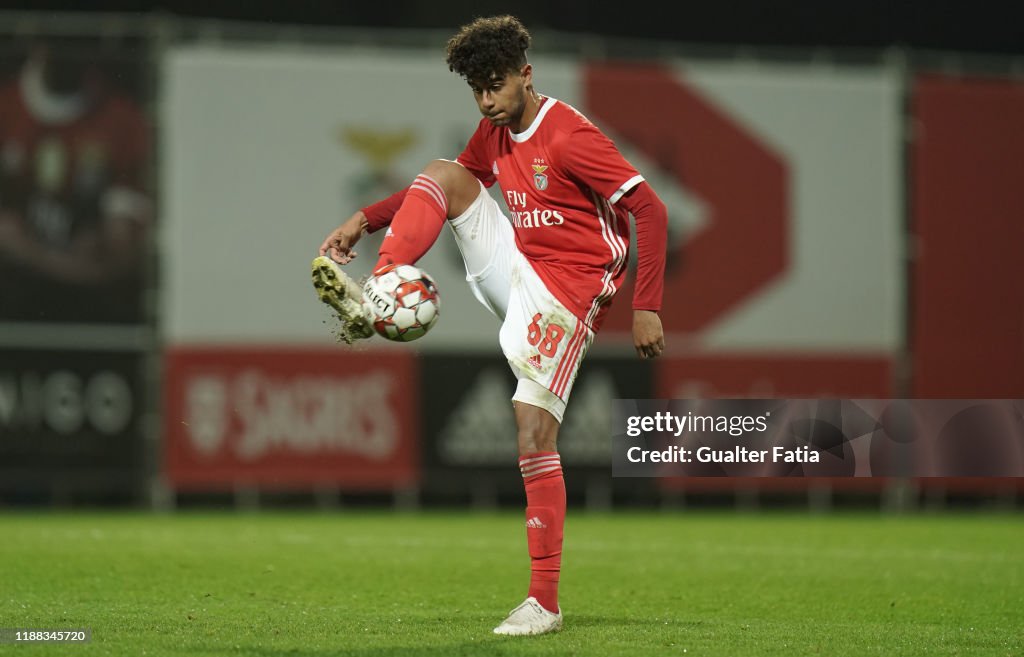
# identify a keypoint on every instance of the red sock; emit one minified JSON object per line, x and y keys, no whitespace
{"x":416,"y":225}
{"x":545,"y":520}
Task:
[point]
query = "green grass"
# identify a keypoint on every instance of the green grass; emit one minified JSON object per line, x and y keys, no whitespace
{"x":435,"y":584}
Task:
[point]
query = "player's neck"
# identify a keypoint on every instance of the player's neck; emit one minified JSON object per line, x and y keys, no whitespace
{"x":530,"y":111}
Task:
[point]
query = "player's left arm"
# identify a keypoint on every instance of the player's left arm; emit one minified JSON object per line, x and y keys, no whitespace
{"x":651,"y":219}
{"x":591,"y":158}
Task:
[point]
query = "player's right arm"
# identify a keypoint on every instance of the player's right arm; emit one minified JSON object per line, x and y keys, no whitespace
{"x":338,"y":244}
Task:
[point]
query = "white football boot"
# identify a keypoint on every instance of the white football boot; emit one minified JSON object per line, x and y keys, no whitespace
{"x":529,"y":619}
{"x":340,"y":292}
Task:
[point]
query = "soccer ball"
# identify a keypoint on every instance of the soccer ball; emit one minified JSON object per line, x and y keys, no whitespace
{"x":402,"y":301}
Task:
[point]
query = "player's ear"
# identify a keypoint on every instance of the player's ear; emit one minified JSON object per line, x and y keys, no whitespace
{"x":527,"y":73}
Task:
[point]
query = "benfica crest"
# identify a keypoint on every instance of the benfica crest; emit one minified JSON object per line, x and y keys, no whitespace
{"x":539,"y":179}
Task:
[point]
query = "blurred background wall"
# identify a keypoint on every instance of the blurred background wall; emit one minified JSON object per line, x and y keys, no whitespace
{"x":846,"y":221}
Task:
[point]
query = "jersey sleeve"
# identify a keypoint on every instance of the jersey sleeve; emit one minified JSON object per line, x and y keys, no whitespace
{"x":651,"y":236}
{"x":476,"y":157}
{"x":380,"y":214}
{"x":591,"y":158}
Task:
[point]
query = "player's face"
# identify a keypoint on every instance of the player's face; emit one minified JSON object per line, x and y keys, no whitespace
{"x":502,"y":98}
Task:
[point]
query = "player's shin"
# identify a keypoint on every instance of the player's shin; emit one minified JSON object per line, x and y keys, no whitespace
{"x":416,"y":225}
{"x":545,"y":520}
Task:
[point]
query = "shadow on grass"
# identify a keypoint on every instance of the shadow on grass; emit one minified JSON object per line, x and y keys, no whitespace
{"x":607,"y":621}
{"x":485,"y":643}
{"x":485,"y":646}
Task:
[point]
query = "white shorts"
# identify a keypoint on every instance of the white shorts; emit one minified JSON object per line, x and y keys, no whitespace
{"x":542,"y":340}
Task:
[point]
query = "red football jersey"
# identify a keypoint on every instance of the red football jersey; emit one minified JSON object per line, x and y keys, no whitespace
{"x":561,"y":179}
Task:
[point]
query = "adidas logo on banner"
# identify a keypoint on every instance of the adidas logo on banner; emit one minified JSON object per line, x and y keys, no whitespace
{"x":535,"y":523}
{"x":481,"y":430}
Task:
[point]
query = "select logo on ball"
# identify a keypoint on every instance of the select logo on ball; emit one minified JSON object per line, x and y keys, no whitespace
{"x":403,"y":302}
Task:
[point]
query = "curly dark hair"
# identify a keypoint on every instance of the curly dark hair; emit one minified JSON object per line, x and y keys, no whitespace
{"x":488,"y":47}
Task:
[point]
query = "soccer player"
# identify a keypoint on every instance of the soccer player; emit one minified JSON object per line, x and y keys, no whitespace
{"x":548,"y":272}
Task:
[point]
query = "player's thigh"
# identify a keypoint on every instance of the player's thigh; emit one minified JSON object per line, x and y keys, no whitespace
{"x":542,"y":340}
{"x":485,"y":239}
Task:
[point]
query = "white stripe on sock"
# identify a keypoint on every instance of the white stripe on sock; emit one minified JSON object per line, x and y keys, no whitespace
{"x":540,"y":472}
{"x":523,"y":462}
{"x":432,"y":194}
{"x":542,"y":464}
{"x":431,"y":184}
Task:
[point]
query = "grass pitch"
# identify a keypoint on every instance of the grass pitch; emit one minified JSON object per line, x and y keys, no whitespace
{"x":348,"y":583}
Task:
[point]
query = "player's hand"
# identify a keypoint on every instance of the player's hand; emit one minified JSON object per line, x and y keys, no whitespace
{"x":338,"y":245}
{"x":648,"y":335}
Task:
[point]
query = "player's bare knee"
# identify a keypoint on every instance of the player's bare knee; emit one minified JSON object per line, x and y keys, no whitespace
{"x":459,"y":185}
{"x":537,"y":430}
{"x":531,"y":443}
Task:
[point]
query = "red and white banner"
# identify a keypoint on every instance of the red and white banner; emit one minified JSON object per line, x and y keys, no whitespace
{"x":291,"y":418}
{"x":782,"y":183}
